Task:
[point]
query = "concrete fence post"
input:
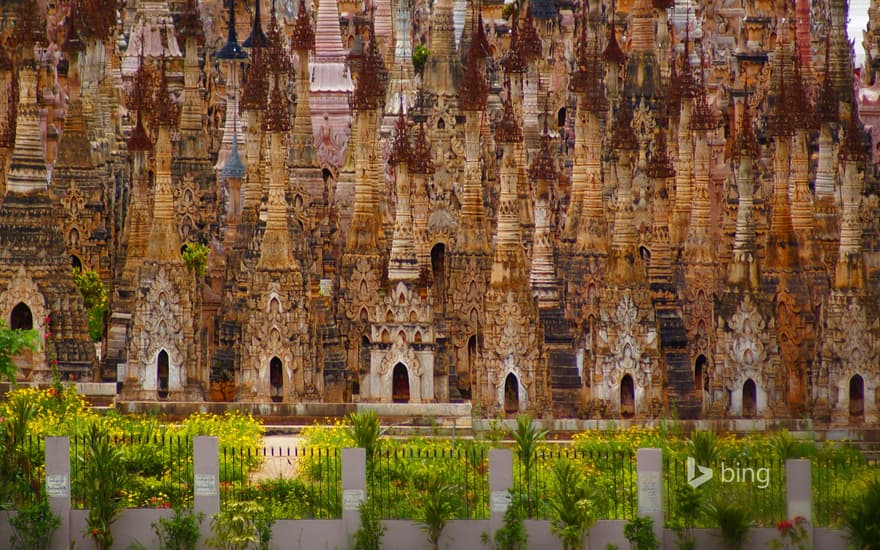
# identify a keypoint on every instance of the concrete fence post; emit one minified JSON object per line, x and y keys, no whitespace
{"x":500,"y":483}
{"x":799,"y":491}
{"x":649,"y":468}
{"x":58,"y":487}
{"x":206,"y":482}
{"x":354,"y":489}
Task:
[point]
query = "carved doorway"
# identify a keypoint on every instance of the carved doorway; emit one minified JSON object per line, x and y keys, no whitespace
{"x":400,"y":384}
{"x":21,"y":317}
{"x":627,"y":397}
{"x":471,"y":366}
{"x":750,"y":399}
{"x":856,"y":399}
{"x":511,"y":394}
{"x":438,"y":271}
{"x":700,"y":376}
{"x":162,"y":374}
{"x":75,"y":263}
{"x":276,"y":380}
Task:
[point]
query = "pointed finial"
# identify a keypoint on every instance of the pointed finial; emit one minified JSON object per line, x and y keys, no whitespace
{"x":257,"y":39}
{"x":232,"y":49}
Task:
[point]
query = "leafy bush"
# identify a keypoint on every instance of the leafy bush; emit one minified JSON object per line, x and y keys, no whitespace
{"x":639,"y":531}
{"x":512,"y":535}
{"x":690,"y":508}
{"x":420,"y":58}
{"x":180,"y":531}
{"x":95,"y":299}
{"x":526,"y":438}
{"x":241,"y":526}
{"x":369,"y":534}
{"x":733,"y":520}
{"x":365,"y":430}
{"x":438,"y":507}
{"x":13,"y":342}
{"x":861,"y":517}
{"x":703,"y":446}
{"x":32,"y":526}
{"x":104,"y":480}
{"x":784,"y":446}
{"x":195,"y":256}
{"x":571,"y":501}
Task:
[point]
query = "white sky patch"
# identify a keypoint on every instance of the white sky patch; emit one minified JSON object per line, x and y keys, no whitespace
{"x":858,"y":22}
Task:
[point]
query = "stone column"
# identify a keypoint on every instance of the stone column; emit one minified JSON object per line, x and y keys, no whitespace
{"x":206,"y":483}
{"x":649,"y":468}
{"x":354,"y":488}
{"x":58,"y":486}
{"x":799,"y":489}
{"x":500,"y":483}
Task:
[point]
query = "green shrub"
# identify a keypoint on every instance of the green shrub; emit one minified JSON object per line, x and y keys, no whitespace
{"x":512,"y":535}
{"x":180,"y":531}
{"x":438,"y":507}
{"x":639,"y":532}
{"x":13,"y":342}
{"x":95,"y":300}
{"x":690,"y":509}
{"x":195,"y":256}
{"x":366,"y":431}
{"x":733,"y":520}
{"x":241,"y":526}
{"x":369,"y":534}
{"x":104,"y":480}
{"x":784,"y":446}
{"x":572,"y":506}
{"x":32,"y":526}
{"x":420,"y":58}
{"x":704,"y":447}
{"x":861,"y":518}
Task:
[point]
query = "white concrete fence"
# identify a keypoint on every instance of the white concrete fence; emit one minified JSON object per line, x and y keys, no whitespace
{"x":134,"y":525}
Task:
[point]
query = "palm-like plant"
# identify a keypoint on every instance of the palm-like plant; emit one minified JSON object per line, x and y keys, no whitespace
{"x":526,"y":438}
{"x":785,"y":446}
{"x":440,"y":504}
{"x":572,"y":505}
{"x":366,"y":431}
{"x":734,"y":521}
{"x":104,"y":476}
{"x":861,"y":517}
{"x":703,"y":446}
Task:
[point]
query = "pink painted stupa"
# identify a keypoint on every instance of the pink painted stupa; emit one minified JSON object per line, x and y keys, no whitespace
{"x":331,"y":86}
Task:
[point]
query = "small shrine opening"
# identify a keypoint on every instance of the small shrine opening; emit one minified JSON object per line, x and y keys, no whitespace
{"x":699,"y":375}
{"x":21,"y":317}
{"x":856,"y":398}
{"x":400,"y":384}
{"x":511,"y":394}
{"x":750,"y":399}
{"x":438,"y":271}
{"x":627,"y":397}
{"x":276,"y":379}
{"x":162,"y":374}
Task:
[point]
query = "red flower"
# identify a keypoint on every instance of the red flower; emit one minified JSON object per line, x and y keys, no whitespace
{"x":784,"y":526}
{"x":96,"y":532}
{"x":799,"y":519}
{"x":46,"y":319}
{"x":54,"y":361}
